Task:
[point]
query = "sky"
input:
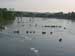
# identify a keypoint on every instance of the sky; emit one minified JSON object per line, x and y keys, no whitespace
{"x":39,"y":5}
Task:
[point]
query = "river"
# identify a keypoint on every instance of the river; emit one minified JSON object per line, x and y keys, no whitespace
{"x":30,"y":41}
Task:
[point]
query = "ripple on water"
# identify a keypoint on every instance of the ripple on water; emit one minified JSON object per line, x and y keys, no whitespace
{"x":34,"y":50}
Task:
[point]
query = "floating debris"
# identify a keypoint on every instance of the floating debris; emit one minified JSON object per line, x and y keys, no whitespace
{"x":27,"y":32}
{"x":33,"y":31}
{"x":17,"y":31}
{"x":43,"y":32}
{"x":64,"y":27}
{"x":60,"y":39}
{"x":51,"y":32}
{"x":53,"y":26}
{"x":30,"y":31}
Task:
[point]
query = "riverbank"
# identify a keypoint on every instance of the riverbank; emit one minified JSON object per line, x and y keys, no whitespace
{"x":59,"y":15}
{"x":6,"y":16}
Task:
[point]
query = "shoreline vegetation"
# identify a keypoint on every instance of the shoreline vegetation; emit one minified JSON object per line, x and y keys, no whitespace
{"x":7,"y":16}
{"x":59,"y":15}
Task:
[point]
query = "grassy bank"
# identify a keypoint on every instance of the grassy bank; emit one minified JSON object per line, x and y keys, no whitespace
{"x":6,"y":16}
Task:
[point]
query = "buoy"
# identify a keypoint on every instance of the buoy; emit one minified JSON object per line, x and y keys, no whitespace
{"x":60,"y":39}
{"x":43,"y":32}
{"x":51,"y":32}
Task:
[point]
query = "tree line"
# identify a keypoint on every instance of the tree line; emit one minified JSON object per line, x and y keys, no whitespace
{"x":61,"y":15}
{"x":6,"y":15}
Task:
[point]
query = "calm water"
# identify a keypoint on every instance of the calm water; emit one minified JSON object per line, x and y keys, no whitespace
{"x":34,"y":43}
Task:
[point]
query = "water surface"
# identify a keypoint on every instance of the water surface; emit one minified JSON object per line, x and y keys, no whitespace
{"x":34,"y":43}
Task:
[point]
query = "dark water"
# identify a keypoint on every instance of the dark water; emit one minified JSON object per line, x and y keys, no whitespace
{"x":34,"y":43}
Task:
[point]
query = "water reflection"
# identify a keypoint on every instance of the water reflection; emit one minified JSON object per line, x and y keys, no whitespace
{"x":5,"y":23}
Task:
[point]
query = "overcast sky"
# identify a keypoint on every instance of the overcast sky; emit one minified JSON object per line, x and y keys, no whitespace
{"x":39,"y":5}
